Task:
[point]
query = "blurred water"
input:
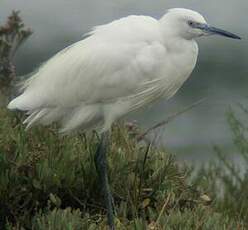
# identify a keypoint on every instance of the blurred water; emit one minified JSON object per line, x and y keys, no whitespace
{"x":220,"y":75}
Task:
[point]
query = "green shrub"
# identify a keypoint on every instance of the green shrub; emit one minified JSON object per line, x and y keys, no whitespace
{"x":47,"y":180}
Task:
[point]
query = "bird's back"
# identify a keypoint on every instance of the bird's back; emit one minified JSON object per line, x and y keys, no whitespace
{"x":120,"y":67}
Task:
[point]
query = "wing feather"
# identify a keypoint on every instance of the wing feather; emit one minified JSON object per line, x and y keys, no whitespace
{"x":119,"y":60}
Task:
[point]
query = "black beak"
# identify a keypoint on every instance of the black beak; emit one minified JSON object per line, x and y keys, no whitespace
{"x":213,"y":30}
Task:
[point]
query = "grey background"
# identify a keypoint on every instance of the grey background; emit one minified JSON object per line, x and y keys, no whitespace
{"x":220,"y":75}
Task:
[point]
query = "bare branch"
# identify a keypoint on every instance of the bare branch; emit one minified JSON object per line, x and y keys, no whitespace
{"x":170,"y":118}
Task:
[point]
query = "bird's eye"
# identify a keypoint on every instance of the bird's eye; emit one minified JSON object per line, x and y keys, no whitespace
{"x":191,"y":23}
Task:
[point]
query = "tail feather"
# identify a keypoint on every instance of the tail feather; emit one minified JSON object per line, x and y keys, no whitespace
{"x":25,"y":102}
{"x":34,"y":118}
{"x":83,"y":117}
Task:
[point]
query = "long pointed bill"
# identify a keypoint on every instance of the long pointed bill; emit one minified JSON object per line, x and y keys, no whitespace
{"x":213,"y":30}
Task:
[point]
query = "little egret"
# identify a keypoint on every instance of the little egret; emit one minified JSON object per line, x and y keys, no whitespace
{"x":118,"y":68}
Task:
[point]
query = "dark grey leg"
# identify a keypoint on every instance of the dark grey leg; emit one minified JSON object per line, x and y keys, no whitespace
{"x":102,"y":168}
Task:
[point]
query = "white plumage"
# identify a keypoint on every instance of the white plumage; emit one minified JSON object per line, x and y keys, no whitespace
{"x":118,"y":68}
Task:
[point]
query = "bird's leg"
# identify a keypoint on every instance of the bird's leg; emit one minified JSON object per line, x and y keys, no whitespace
{"x":102,"y":168}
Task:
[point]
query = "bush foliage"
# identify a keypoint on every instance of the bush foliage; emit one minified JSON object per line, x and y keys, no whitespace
{"x":50,"y":182}
{"x":12,"y":35}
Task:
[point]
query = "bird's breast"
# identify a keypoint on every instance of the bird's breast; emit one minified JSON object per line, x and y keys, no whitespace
{"x":178,"y":66}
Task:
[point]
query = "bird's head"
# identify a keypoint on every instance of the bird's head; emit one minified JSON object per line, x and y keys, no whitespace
{"x":190,"y":24}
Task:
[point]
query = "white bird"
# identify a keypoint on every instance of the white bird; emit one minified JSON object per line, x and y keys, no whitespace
{"x":120,"y":67}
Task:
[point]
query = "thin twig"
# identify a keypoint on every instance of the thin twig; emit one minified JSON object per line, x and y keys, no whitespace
{"x":170,"y":118}
{"x":143,"y":167}
{"x":163,"y":208}
{"x":83,"y":204}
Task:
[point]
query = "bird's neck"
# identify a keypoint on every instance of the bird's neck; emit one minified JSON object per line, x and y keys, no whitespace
{"x":175,"y":44}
